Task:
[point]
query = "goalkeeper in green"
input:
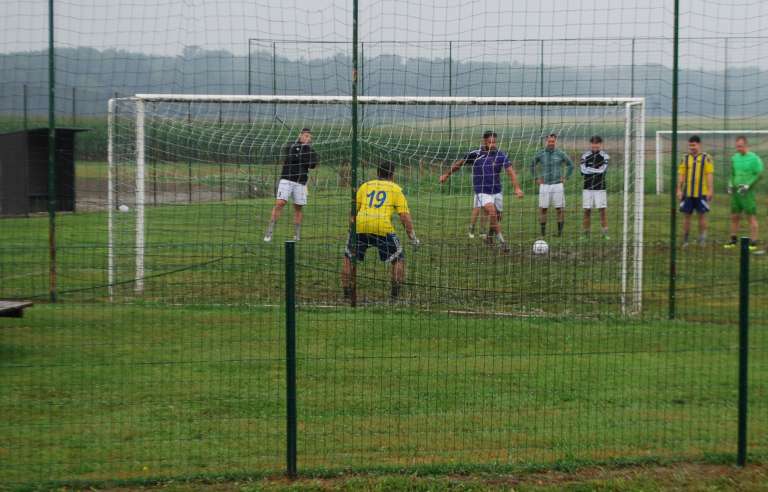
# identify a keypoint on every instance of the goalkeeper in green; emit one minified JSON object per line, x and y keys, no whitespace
{"x":746,"y":171}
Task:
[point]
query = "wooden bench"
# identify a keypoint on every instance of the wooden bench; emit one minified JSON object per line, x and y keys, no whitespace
{"x":13,"y":309}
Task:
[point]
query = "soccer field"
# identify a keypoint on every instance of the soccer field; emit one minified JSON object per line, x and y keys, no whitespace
{"x":488,"y":358}
{"x":113,"y":391}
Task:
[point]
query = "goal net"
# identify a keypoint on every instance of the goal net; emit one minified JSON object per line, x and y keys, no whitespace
{"x":717,"y":143}
{"x":192,"y":182}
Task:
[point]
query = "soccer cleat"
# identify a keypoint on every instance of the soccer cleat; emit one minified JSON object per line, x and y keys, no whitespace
{"x":685,"y":245}
{"x":753,"y":247}
{"x":295,"y":238}
{"x":268,"y":238}
{"x":606,"y":237}
{"x":759,"y":252}
{"x":729,"y":245}
{"x":471,"y":235}
{"x":504,"y":246}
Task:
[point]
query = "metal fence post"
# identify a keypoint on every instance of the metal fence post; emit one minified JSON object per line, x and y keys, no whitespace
{"x":673,"y":170}
{"x":290,"y":356}
{"x":25,"y":106}
{"x":741,"y":454}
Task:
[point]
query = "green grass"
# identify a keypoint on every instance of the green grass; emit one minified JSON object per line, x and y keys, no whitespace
{"x":97,"y":392}
{"x":490,"y":359}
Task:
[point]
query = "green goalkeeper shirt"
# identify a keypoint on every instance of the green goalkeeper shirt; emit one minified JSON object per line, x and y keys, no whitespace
{"x":745,"y":169}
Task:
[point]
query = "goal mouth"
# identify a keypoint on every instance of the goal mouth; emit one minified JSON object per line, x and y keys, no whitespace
{"x":160,"y":144}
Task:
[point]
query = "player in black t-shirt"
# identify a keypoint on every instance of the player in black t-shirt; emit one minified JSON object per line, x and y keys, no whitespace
{"x":300,"y":157}
{"x":594,"y":163}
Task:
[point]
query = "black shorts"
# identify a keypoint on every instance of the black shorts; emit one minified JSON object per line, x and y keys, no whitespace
{"x":690,"y":204}
{"x":389,"y":247}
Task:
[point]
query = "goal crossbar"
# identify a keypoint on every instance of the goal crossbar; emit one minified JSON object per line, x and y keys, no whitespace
{"x":414,"y":100}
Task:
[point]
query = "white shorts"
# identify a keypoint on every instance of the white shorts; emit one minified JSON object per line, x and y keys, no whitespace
{"x":551,"y":196}
{"x":594,"y":199}
{"x":482,"y":199}
{"x":291,"y":190}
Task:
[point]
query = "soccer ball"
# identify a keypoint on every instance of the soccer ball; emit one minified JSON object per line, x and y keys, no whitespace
{"x":123,"y":208}
{"x":540,"y":247}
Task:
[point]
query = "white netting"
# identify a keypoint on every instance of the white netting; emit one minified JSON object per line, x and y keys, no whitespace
{"x":217,"y":159}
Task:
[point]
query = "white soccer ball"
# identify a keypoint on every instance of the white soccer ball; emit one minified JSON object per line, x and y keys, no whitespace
{"x":540,"y":247}
{"x":124,"y":208}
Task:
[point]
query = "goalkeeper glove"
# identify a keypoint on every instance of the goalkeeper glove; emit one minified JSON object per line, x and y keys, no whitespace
{"x":743,"y":189}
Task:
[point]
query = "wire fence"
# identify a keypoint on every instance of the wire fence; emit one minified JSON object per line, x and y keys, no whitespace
{"x":190,"y":352}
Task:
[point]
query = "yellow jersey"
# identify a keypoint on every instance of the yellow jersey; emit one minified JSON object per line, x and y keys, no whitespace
{"x":694,"y":169}
{"x":376,"y":201}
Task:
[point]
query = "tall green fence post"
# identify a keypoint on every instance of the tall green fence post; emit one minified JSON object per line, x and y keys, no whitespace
{"x":355,"y":149}
{"x":673,"y":184}
{"x":725,"y":100}
{"x":541,"y":88}
{"x":52,"y":273}
{"x":25,"y":106}
{"x":450,"y":106}
{"x":74,"y":106}
{"x":290,"y":357}
{"x":741,"y":454}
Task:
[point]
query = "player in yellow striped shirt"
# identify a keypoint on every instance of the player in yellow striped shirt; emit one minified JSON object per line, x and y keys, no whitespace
{"x":376,"y":201}
{"x":695,"y":187}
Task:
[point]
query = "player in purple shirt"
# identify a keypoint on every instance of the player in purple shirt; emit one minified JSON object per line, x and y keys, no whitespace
{"x":487,"y":163}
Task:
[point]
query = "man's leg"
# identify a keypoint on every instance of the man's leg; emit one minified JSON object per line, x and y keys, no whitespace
{"x":346,"y":276}
{"x":276,"y":211}
{"x":543,"y":220}
{"x":298,"y":216}
{"x":560,"y":220}
{"x":586,"y":225}
{"x":398,"y":276}
{"x":686,"y":227}
{"x":735,"y":222}
{"x":753,"y":228}
{"x":703,"y":222}
{"x":473,"y":221}
{"x":604,"y":221}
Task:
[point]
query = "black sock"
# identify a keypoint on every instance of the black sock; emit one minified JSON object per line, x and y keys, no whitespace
{"x":543,"y":228}
{"x":347,"y":292}
{"x":685,"y":237}
{"x":395,"y":291}
{"x":560,"y":228}
{"x":733,"y":240}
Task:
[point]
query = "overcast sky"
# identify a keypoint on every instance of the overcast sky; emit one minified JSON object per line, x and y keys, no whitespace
{"x":168,"y":26}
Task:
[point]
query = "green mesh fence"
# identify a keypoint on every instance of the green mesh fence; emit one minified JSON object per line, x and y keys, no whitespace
{"x":165,"y":355}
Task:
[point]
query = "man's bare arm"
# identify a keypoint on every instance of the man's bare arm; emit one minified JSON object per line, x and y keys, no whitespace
{"x":454,"y":167}
{"x":513,"y":178}
{"x":407,"y":222}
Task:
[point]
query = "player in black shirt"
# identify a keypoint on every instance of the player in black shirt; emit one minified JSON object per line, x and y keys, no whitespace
{"x":300,"y":157}
{"x":594,"y":163}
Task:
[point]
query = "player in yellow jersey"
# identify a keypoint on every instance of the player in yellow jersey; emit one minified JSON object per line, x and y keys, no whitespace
{"x":376,"y":201}
{"x":695,"y":187}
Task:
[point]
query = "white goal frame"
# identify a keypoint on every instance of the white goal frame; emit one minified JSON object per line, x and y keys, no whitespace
{"x":631,"y":289}
{"x":660,"y":147}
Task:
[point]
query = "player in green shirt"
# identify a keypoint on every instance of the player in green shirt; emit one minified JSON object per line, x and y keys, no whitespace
{"x":746,"y":171}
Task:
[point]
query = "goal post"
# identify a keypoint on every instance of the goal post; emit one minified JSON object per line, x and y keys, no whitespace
{"x":663,"y":135}
{"x":158,"y":139}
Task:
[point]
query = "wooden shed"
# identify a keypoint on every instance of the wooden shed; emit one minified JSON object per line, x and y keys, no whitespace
{"x":24,"y":170}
